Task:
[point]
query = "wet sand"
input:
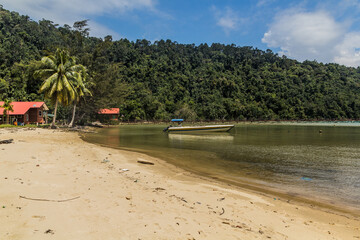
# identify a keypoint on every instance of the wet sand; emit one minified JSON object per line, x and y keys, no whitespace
{"x":53,"y":185}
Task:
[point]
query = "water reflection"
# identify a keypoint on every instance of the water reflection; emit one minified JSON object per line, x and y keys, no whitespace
{"x":209,"y":137}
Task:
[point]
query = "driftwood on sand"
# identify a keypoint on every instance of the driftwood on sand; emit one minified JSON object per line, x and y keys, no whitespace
{"x":49,"y":200}
{"x":96,"y":124}
{"x":146,"y":162}
{"x":6,"y":141}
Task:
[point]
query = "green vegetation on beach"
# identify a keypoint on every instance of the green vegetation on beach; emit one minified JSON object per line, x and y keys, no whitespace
{"x":165,"y":79}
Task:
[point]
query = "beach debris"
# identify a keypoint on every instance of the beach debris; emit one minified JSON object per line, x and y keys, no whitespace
{"x":223,"y":211}
{"x":49,"y":231}
{"x":3,"y":207}
{"x":96,"y":124}
{"x":180,"y":198}
{"x":7,"y":141}
{"x":105,"y":160}
{"x":124,"y":170}
{"x":306,"y":178}
{"x":236,"y":226}
{"x":145,"y":162}
{"x":128,"y":198}
{"x":49,"y":200}
{"x":39,"y":217}
{"x":160,"y":189}
{"x":136,"y":180}
{"x":221,"y":199}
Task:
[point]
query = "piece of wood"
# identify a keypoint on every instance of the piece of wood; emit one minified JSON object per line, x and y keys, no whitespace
{"x":96,"y":124}
{"x":145,"y":162}
{"x":49,"y":200}
{"x":6,"y":141}
{"x":223,"y":211}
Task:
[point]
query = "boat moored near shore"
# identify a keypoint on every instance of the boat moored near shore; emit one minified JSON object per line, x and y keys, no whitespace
{"x":206,"y":128}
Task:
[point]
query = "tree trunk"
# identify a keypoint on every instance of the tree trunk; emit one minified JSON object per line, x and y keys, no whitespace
{"x":54,"y":119}
{"x":73,"y":116}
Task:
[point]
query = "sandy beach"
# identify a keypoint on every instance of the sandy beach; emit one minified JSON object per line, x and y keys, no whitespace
{"x":54,"y":185}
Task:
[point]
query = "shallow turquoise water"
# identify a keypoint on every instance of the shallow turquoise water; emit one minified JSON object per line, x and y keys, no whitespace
{"x":294,"y":158}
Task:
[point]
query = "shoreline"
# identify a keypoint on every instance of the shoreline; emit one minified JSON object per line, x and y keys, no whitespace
{"x":247,"y":183}
{"x":147,"y":202}
{"x":242,"y":122}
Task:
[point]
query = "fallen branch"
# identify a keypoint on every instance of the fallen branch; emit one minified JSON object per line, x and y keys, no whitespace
{"x":145,"y":162}
{"x":6,"y":141}
{"x":223,"y":211}
{"x":49,"y":200}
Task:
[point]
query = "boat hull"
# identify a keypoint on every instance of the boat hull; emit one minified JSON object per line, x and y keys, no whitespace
{"x":209,"y":128}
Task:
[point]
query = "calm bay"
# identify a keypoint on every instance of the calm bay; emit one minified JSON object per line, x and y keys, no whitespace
{"x":316,"y":161}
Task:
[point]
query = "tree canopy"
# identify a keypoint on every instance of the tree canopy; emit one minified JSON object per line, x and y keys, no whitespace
{"x":166,"y":79}
{"x":62,"y":79}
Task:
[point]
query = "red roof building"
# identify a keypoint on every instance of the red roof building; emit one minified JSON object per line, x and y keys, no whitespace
{"x":26,"y":112}
{"x":109,"y":114}
{"x":109,"y":111}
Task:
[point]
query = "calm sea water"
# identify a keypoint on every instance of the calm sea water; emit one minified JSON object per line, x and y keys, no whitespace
{"x":295,"y":158}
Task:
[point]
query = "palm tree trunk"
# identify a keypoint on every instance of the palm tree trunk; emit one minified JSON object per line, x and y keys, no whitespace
{"x":54,"y":119}
{"x":73,"y":116}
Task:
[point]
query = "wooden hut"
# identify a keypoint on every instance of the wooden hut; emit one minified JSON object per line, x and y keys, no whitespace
{"x":26,"y":113}
{"x":108,"y":114}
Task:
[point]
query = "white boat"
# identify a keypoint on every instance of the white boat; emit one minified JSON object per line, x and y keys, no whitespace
{"x":207,"y":128}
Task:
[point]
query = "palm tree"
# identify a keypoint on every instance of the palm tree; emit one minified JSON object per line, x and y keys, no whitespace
{"x":7,"y":108}
{"x":59,"y":72}
{"x":80,"y":91}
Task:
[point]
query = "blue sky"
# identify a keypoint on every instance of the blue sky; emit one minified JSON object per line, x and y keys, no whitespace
{"x":326,"y":31}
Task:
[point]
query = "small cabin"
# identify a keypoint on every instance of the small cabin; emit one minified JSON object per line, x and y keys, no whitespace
{"x":25,"y":113}
{"x":108,"y":114}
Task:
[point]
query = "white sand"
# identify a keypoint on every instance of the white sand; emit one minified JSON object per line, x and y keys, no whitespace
{"x":147,"y":202}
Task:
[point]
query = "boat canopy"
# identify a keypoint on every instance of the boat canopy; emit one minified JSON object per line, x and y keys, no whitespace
{"x":177,"y":120}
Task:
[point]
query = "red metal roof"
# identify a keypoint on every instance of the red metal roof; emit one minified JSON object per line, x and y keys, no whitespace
{"x":109,"y":111}
{"x":20,"y":108}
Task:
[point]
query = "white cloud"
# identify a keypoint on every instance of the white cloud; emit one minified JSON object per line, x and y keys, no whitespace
{"x":227,"y":19}
{"x":67,"y":12}
{"x":348,"y":51}
{"x":100,"y":30}
{"x":304,"y":35}
{"x":313,"y":36}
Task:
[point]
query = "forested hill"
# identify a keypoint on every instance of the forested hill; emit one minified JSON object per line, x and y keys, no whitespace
{"x":165,"y":79}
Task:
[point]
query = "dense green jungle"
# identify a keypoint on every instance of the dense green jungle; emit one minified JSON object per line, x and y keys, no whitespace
{"x":165,"y":79}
